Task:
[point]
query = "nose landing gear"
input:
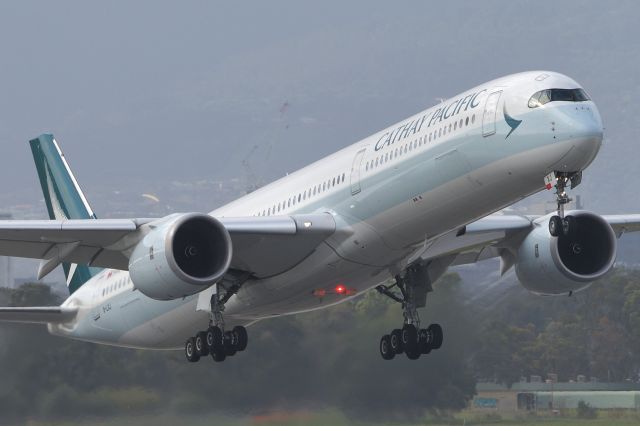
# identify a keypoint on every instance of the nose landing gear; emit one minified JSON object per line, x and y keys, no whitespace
{"x":560,"y":224}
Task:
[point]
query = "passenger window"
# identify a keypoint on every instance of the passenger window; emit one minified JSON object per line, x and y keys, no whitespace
{"x":466,"y":121}
{"x":473,"y":118}
{"x":455,"y":126}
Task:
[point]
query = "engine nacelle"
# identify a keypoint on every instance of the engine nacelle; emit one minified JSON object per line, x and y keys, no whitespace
{"x":182,"y":255}
{"x":557,"y":265}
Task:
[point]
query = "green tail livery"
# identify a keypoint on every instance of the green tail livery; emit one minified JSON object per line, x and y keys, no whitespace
{"x":63,"y":197}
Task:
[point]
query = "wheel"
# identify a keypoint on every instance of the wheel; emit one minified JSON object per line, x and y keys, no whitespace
{"x":436,"y":331}
{"x":568,"y":226}
{"x":409,"y":337}
{"x":201,"y":344}
{"x":214,"y":338}
{"x":241,"y":337}
{"x":230,"y":343}
{"x":396,"y":341}
{"x":555,"y":226}
{"x":413,"y":353}
{"x":424,"y":341}
{"x":218,"y":354}
{"x":385,"y":348}
{"x":190,"y":350}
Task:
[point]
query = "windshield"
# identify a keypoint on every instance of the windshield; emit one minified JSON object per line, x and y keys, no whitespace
{"x":551,"y":95}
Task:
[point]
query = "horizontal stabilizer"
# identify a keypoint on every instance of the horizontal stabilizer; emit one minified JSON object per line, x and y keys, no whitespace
{"x":38,"y":315}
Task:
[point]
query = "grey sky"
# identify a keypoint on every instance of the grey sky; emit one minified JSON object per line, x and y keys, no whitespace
{"x":161,"y":90}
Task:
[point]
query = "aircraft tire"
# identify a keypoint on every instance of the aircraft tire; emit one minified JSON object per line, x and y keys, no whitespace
{"x":190,"y":350}
{"x":218,"y":354}
{"x":200,"y":342}
{"x":555,"y":226}
{"x":385,"y":348}
{"x":241,"y":337}
{"x":214,"y":338}
{"x":568,"y":226}
{"x":424,"y":341}
{"x":409,"y":337}
{"x":396,"y":341}
{"x":230,"y":343}
{"x":436,"y":332}
{"x":413,"y":353}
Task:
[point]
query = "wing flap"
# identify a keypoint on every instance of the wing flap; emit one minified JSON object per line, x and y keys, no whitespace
{"x":38,"y":315}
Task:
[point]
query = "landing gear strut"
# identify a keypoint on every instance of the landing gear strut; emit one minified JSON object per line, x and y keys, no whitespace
{"x":215,"y":341}
{"x":411,"y":340}
{"x":560,"y":224}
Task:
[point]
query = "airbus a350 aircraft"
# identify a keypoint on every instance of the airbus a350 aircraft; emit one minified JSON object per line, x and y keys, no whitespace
{"x":391,"y":212}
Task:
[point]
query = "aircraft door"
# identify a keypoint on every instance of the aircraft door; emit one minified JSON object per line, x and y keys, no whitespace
{"x":490,"y":112}
{"x":355,"y":172}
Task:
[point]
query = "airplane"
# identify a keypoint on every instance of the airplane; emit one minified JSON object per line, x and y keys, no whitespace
{"x":391,"y":212}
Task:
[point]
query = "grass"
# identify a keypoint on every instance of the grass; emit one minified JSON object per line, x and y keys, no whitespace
{"x":336,"y":418}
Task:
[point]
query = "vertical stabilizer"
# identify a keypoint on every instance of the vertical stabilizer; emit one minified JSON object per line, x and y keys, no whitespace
{"x":63,"y":197}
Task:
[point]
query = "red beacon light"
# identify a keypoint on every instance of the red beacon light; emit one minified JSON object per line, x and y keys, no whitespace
{"x":339,"y":289}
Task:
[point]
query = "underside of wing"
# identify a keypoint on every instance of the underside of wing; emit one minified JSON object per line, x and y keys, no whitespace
{"x":267,"y":246}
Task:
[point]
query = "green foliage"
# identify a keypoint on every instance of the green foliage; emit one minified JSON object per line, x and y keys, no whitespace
{"x":595,"y":333}
{"x":327,"y":358}
{"x":586,"y":411}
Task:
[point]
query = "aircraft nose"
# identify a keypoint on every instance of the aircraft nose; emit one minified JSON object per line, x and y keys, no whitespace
{"x":581,"y":125}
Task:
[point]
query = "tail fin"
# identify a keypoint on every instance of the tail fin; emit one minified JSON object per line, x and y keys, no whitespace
{"x":63,"y":197}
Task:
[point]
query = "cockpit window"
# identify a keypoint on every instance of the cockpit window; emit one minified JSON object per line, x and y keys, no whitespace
{"x":551,"y":95}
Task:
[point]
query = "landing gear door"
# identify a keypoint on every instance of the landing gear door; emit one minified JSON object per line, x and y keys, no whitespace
{"x":355,"y":172}
{"x":490,"y":112}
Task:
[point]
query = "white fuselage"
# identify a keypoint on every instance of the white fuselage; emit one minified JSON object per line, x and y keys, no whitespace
{"x":390,"y":194}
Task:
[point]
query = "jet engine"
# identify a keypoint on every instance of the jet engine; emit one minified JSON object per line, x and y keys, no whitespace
{"x":180,"y":256}
{"x":559,"y":265}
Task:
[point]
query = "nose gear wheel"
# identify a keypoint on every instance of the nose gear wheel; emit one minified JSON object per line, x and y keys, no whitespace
{"x":559,"y":224}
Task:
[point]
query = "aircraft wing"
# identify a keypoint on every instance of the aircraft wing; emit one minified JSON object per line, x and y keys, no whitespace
{"x":263,"y":246}
{"x":498,"y":236}
{"x":38,"y":315}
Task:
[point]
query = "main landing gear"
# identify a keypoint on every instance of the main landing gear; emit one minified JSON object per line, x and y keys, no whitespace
{"x":411,"y":340}
{"x":215,"y":341}
{"x":561,"y":225}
